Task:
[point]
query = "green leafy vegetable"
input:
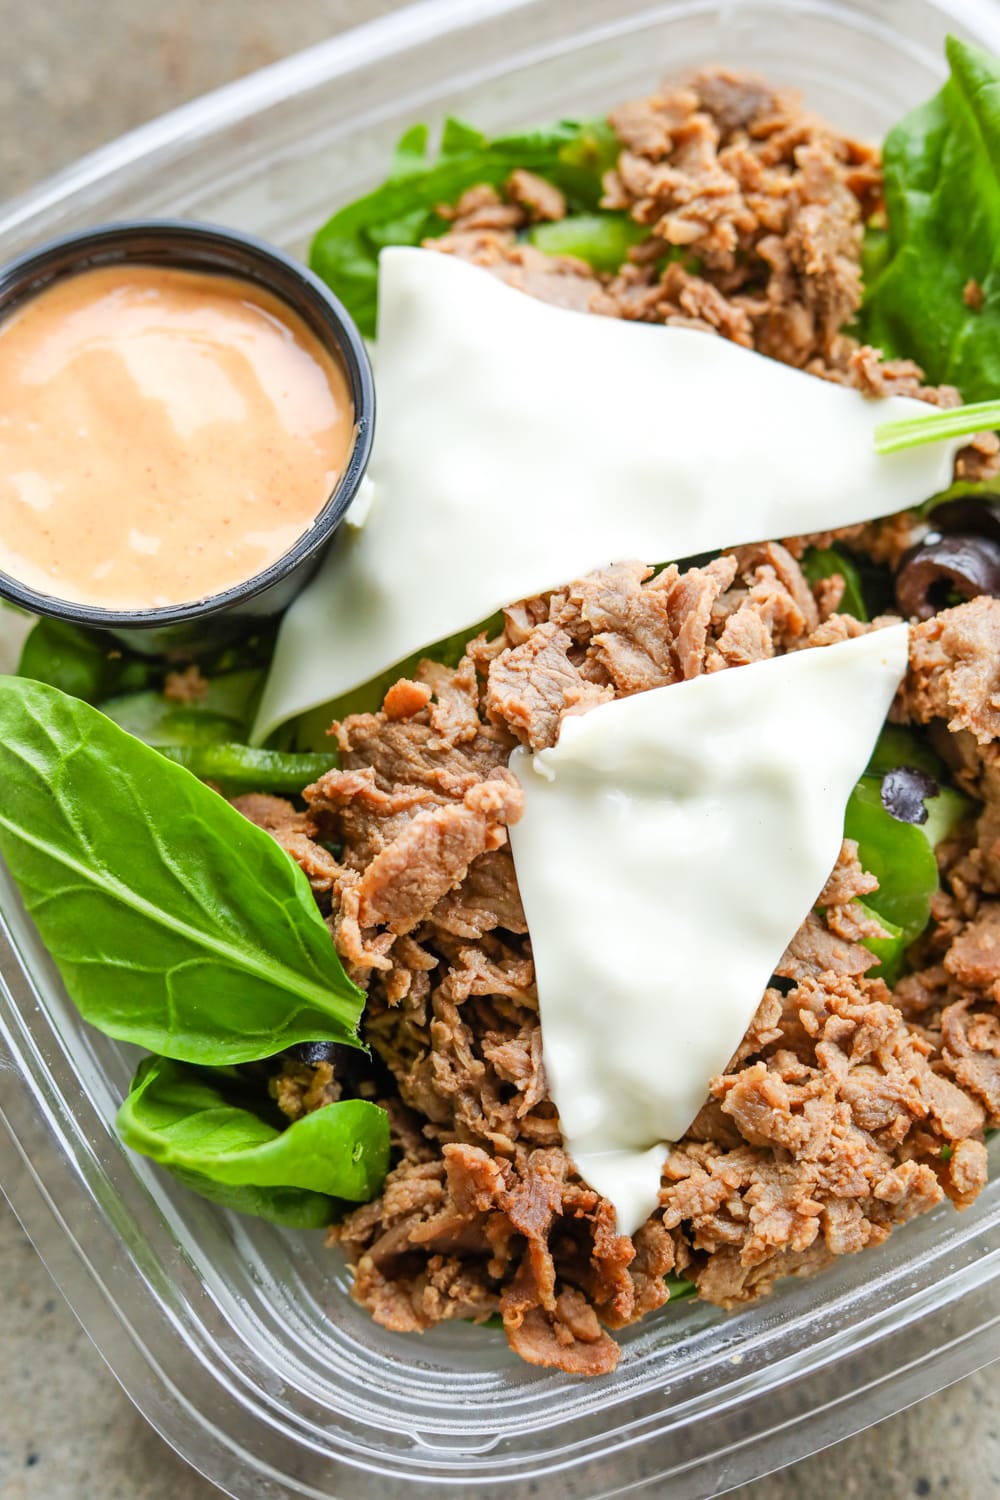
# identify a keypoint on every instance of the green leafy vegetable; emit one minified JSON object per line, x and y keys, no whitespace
{"x":240,"y":768}
{"x":88,"y":664}
{"x":186,"y":1119}
{"x":603,"y":240}
{"x":228,"y":699}
{"x":824,"y":562}
{"x":207,"y":736}
{"x":942,"y":193}
{"x":962,"y":489}
{"x":157,"y":721}
{"x":84,"y":663}
{"x":403,"y":211}
{"x":175,"y":922}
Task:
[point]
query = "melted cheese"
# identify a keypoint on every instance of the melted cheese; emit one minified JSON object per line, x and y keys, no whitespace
{"x":520,"y":445}
{"x":671,"y":845}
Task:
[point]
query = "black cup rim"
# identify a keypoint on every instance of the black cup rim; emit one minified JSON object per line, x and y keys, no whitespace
{"x":196,"y":245}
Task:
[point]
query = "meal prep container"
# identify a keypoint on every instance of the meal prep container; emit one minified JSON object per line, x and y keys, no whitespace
{"x":237,"y":1340}
{"x":208,"y":623}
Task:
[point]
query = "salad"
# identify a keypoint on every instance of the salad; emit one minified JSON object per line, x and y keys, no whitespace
{"x":321,"y":942}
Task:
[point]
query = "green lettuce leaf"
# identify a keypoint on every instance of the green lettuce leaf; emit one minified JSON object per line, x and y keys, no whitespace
{"x":573,"y":155}
{"x":942,"y":191}
{"x":187,"y":1119}
{"x":175,"y":923}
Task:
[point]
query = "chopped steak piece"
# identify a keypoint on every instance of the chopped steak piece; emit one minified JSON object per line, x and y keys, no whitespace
{"x":432,"y":854}
{"x":293,"y":831}
{"x":971,"y":1038}
{"x":955,"y":669}
{"x":533,"y":685}
{"x":188,"y":686}
{"x":559,"y":279}
{"x":540,"y":198}
{"x":816,"y":950}
{"x":974,"y":956}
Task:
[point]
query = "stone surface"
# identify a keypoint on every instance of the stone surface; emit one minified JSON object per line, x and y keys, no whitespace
{"x":73,"y":74}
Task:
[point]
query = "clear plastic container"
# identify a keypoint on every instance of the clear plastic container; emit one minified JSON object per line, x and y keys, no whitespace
{"x":237,"y":1340}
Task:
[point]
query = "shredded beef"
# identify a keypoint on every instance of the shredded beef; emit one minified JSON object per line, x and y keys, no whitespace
{"x":845,"y":1111}
{"x":848,"y":1108}
{"x":955,"y":669}
{"x":294,"y":832}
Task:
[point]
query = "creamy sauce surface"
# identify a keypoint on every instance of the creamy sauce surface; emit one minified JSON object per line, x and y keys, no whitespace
{"x":520,"y":445}
{"x":164,"y":435}
{"x":671,"y":845}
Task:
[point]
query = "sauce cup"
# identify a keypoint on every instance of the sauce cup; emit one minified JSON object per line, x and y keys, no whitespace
{"x":208,"y":622}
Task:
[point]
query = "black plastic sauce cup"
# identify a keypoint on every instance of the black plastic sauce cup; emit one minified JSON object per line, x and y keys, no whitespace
{"x":208,"y":623}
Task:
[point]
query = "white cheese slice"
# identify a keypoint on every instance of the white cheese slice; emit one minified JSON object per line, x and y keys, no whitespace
{"x":520,"y":445}
{"x":671,"y":845}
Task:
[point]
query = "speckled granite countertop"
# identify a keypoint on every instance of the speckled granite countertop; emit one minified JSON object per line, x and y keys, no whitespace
{"x":73,"y":75}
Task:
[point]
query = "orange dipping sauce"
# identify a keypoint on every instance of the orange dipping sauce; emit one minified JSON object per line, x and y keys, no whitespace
{"x":164,"y":435}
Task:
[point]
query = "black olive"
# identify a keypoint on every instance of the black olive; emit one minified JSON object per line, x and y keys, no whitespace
{"x":903,"y":791}
{"x":975,"y":515}
{"x":939,"y":568}
{"x":312,"y":1053}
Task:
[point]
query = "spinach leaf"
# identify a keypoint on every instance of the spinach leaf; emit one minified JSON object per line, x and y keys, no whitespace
{"x":403,"y":211}
{"x":962,"y":489}
{"x":174,"y":921}
{"x":84,"y":663}
{"x":224,"y":712}
{"x":157,"y":721}
{"x":824,"y":562}
{"x":186,"y":1119}
{"x":209,"y":742}
{"x":242,"y":768}
{"x":942,"y":193}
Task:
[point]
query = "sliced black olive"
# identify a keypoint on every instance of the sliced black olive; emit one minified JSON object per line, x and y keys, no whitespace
{"x":941,"y":569}
{"x":903,"y":791}
{"x":976,"y":515}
